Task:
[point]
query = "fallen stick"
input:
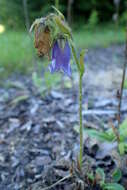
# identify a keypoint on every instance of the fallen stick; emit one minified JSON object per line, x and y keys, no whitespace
{"x":102,"y":112}
{"x":58,"y":182}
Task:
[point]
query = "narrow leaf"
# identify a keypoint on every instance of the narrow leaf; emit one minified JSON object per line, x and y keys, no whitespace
{"x":59,"y":13}
{"x":62,"y":26}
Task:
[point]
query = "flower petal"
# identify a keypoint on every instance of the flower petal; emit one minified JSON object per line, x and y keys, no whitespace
{"x":66,"y":60}
{"x":61,"y":59}
{"x":66,"y":69}
{"x":52,"y":66}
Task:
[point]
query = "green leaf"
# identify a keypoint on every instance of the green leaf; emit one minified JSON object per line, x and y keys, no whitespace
{"x":90,"y":176}
{"x":121,"y":147}
{"x":123,"y":125}
{"x":113,"y":186}
{"x":116,"y":176}
{"x":59,"y":13}
{"x":62,"y":26}
{"x":102,"y":136}
{"x":101,"y":174}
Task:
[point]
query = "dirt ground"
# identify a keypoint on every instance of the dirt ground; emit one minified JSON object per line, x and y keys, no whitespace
{"x":38,"y":137}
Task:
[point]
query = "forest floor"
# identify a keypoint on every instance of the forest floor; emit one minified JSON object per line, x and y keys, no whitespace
{"x":38,"y":135}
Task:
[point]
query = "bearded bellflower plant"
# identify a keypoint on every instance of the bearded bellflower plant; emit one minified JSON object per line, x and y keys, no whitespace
{"x":53,"y":38}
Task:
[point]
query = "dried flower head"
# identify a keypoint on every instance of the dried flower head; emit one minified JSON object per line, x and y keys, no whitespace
{"x":51,"y":32}
{"x":42,"y":40}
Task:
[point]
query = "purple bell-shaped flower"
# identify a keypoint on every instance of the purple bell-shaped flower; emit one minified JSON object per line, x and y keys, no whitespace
{"x":61,"y":59}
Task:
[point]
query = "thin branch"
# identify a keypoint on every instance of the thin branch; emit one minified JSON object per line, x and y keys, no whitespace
{"x":80,"y":121}
{"x":122,"y":83}
{"x":27,"y":21}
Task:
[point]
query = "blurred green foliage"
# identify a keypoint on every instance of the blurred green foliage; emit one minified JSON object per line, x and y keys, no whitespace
{"x":17,"y":53}
{"x":45,"y":83}
{"x":12,"y":11}
{"x":93,"y":19}
{"x":123,"y":18}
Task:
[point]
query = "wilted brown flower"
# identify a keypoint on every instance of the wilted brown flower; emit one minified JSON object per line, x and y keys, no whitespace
{"x":42,"y":40}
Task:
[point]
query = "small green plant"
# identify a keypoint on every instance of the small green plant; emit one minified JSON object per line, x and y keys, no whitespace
{"x":99,"y":178}
{"x":111,"y":135}
{"x":46,"y":83}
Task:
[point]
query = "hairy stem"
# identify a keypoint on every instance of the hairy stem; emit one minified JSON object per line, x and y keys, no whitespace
{"x":80,"y":121}
{"x":80,"y":103}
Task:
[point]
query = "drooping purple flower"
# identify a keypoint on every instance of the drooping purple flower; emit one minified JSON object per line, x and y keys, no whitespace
{"x":61,"y":59}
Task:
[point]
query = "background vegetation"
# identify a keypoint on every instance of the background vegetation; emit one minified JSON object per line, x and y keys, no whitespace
{"x":94,"y":23}
{"x":12,"y":12}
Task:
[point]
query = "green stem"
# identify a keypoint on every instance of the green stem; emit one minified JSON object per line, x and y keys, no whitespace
{"x":80,"y":101}
{"x":74,"y":55}
{"x":57,"y":4}
{"x":80,"y":121}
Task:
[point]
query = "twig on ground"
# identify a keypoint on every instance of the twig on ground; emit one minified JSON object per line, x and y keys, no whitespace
{"x":58,"y":182}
